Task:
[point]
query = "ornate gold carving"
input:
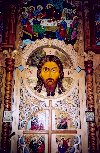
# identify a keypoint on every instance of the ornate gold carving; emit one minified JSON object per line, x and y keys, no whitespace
{"x":97,"y":80}
{"x":92,"y":137}
{"x":1,"y":84}
{"x":10,"y":54}
{"x":6,"y":127}
{"x":90,"y":104}
{"x":89,"y":55}
{"x":98,"y":99}
{"x":79,"y":45}
{"x":90,"y":97}
{"x":15,"y":54}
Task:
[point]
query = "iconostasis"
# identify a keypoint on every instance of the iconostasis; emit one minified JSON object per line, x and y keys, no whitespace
{"x":49,"y":100}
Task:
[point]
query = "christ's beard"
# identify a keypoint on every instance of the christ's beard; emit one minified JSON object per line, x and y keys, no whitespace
{"x":50,"y":85}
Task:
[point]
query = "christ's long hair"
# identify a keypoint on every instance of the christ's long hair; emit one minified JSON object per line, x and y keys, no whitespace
{"x":49,"y":58}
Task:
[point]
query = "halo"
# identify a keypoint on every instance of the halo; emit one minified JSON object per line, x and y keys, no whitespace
{"x":48,"y":6}
{"x":39,"y":7}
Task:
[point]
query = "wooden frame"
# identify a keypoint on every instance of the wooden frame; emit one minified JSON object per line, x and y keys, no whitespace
{"x":7,"y":116}
{"x":90,"y":116}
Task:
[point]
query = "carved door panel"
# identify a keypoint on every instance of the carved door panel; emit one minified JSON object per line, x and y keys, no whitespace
{"x":49,"y":123}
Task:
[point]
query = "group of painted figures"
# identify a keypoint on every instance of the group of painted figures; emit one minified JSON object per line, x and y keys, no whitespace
{"x":35,"y":146}
{"x":63,"y":145}
{"x":49,"y":22}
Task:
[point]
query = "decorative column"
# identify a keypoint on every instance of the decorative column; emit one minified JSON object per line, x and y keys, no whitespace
{"x":90,"y":106}
{"x":97,"y":92}
{"x":8,"y":45}
{"x":6,"y":126}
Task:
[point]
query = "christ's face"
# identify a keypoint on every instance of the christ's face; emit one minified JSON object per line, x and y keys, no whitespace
{"x":50,"y":74}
